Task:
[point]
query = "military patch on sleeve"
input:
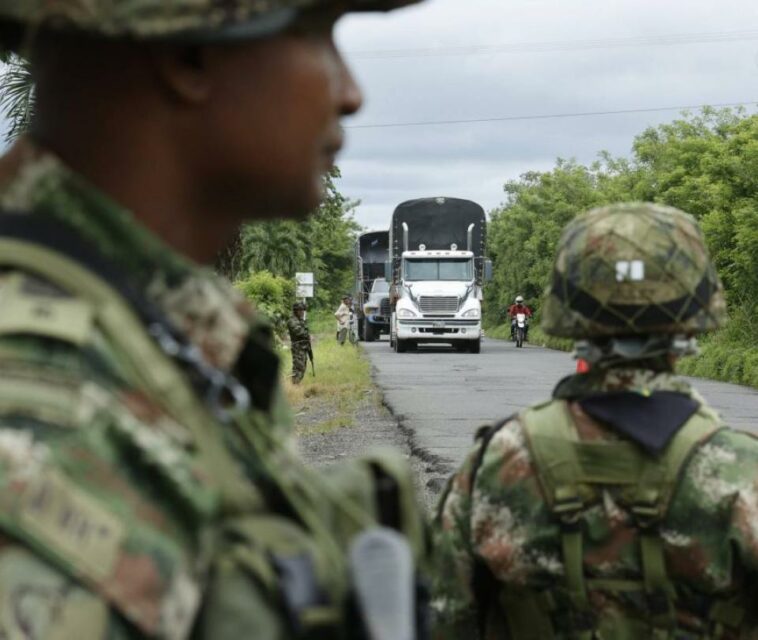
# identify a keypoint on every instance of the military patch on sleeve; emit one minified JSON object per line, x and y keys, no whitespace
{"x":73,"y":524}
{"x":66,"y":319}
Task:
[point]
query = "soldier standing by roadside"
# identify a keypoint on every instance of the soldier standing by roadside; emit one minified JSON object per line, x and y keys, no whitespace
{"x":146,"y":484}
{"x":623,"y":508}
{"x":300,"y":341}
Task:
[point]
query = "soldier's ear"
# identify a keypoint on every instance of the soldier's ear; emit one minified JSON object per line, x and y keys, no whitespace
{"x":184,"y":72}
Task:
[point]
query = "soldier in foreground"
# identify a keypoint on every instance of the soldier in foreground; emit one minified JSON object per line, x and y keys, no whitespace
{"x":622,"y":508}
{"x":300,"y":341}
{"x":147,"y":489}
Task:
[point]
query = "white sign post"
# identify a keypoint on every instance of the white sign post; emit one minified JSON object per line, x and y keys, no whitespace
{"x":305,"y":284}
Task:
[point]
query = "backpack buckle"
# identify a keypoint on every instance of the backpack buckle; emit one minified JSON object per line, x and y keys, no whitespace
{"x":567,"y":503}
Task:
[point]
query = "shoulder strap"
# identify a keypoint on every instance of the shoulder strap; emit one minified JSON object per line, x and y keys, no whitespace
{"x":30,"y":245}
{"x":568,"y":469}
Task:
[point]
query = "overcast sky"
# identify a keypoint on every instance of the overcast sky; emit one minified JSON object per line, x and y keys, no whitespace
{"x":541,"y":57}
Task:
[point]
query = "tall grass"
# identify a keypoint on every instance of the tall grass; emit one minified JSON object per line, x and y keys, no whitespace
{"x":343,"y":377}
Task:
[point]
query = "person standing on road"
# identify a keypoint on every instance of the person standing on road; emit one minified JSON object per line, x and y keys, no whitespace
{"x":147,"y":484}
{"x":623,"y":508}
{"x":516,"y":308}
{"x":343,"y":318}
{"x":300,"y":341}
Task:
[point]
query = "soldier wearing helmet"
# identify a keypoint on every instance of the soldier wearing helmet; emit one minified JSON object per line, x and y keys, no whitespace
{"x":300,"y":341}
{"x":622,"y":507}
{"x":145,"y":462}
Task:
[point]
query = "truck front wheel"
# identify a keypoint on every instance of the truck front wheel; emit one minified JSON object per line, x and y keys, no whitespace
{"x":400,"y":345}
{"x":475,"y":346}
{"x":369,"y":333}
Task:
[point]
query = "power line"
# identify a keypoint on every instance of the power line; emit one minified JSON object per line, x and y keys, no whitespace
{"x":558,"y":45}
{"x":551,"y":116}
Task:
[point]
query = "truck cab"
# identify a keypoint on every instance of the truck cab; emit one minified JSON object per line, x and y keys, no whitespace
{"x":437,"y":267}
{"x":438,"y":300}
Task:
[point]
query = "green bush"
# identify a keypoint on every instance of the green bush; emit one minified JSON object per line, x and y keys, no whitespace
{"x":725,"y":355}
{"x":273,"y":295}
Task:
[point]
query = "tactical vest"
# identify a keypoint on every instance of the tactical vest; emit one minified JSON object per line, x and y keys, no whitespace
{"x":289,"y":527}
{"x":573,"y":474}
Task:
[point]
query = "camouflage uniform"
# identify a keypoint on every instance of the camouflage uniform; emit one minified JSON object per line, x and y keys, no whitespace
{"x":147,"y":482}
{"x":565,"y":522}
{"x":300,"y":340}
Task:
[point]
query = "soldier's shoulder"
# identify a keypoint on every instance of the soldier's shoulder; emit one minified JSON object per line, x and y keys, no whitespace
{"x":94,"y":478}
{"x":106,"y":498}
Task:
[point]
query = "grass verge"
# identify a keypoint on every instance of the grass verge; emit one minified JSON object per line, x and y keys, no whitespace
{"x":343,"y":377}
{"x":722,"y":359}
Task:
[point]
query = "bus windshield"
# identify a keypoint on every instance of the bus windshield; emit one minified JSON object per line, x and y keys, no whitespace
{"x":448,"y":269}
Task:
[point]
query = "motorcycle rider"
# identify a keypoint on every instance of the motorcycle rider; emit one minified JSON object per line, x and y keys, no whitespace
{"x":513,"y":311}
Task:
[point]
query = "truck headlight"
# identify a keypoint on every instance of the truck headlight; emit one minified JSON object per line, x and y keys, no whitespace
{"x":471,"y":313}
{"x":370,"y":311}
{"x":405,"y":313}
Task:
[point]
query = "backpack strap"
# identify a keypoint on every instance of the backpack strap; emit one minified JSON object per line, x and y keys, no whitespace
{"x":29,"y":244}
{"x":571,"y":472}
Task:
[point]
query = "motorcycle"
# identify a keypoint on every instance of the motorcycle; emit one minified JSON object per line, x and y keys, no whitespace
{"x":520,"y":329}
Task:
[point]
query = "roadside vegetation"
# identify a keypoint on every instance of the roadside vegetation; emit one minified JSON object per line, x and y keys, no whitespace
{"x":705,"y":164}
{"x":329,"y":400}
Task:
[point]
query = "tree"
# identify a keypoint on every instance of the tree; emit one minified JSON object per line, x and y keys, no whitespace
{"x":322,"y":244}
{"x":17,"y":95}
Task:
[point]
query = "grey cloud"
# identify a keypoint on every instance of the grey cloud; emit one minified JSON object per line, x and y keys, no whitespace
{"x":384,"y":166}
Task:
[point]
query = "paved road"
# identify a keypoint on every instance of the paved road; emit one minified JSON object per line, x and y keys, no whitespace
{"x":442,"y":396}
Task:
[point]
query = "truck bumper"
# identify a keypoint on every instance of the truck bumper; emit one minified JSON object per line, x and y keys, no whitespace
{"x":438,"y":330}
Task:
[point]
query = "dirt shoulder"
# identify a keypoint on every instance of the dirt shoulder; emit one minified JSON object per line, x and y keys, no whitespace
{"x":372,"y":425}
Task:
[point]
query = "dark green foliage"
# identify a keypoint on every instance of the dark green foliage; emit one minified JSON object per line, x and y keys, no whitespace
{"x":17,"y":95}
{"x":706,"y":164}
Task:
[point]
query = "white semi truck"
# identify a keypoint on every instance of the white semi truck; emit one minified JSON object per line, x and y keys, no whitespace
{"x":437,"y":270}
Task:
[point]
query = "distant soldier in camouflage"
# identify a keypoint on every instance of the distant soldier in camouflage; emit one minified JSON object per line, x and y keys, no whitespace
{"x":147,"y":481}
{"x":300,"y":341}
{"x":623,"y":508}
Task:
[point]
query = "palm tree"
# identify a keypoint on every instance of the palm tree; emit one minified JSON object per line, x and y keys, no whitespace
{"x":16,"y":95}
{"x":277,"y":247}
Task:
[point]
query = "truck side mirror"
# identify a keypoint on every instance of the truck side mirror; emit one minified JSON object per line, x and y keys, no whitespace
{"x":487,"y":270}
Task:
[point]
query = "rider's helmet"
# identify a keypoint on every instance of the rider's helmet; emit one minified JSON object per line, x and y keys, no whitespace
{"x":519,"y":300}
{"x":298,"y":306}
{"x":185,"y":21}
{"x":629,"y":270}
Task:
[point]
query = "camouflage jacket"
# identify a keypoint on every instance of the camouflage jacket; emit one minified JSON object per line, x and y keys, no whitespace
{"x":299,"y":334}
{"x":128,"y":509}
{"x":496,"y":532}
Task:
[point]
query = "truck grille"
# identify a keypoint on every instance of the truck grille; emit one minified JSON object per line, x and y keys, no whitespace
{"x":438,"y":304}
{"x":384,"y":307}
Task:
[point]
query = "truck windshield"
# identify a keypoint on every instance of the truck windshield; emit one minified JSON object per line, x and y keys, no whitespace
{"x":380,"y":286}
{"x":438,"y":269}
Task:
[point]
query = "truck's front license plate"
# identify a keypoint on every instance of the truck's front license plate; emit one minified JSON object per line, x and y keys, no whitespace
{"x":438,"y":325}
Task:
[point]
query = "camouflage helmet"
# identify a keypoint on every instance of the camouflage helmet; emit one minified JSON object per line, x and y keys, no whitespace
{"x":173,"y":20}
{"x":298,"y":306}
{"x":632,"y":269}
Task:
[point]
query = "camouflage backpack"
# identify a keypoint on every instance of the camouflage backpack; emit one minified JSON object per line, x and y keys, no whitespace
{"x":572,"y":475}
